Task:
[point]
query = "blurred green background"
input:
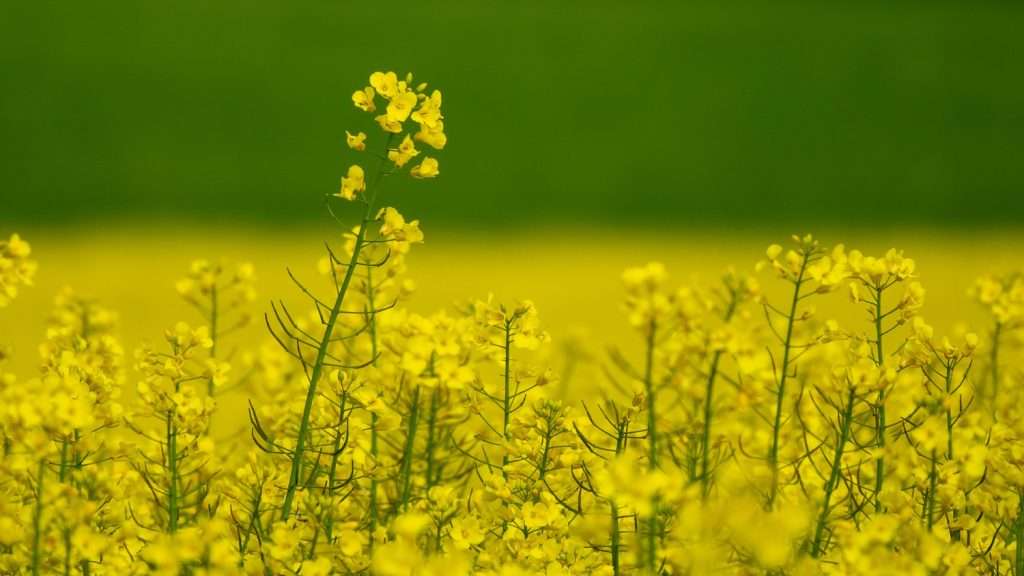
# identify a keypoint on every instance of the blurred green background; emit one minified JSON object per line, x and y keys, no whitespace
{"x":659,"y":114}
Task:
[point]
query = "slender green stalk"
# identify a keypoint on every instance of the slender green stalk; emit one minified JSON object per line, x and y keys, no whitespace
{"x":407,"y":454}
{"x":374,"y":452}
{"x":253,"y":522}
{"x":213,"y":333}
{"x":67,"y":531}
{"x":652,"y":444}
{"x":1018,"y":560}
{"x":431,"y":435}
{"x":506,"y":408}
{"x":37,"y":520}
{"x":949,"y":412}
{"x":616,"y":544}
{"x":329,"y":485}
{"x":929,"y":503}
{"x":994,"y":361}
{"x":172,"y":470}
{"x":833,"y":478}
{"x":294,"y":478}
{"x":773,"y":454}
{"x":709,"y":394}
{"x":542,"y":469}
{"x":62,"y":474}
{"x":374,"y":449}
{"x":950,"y":421}
{"x":880,"y":418}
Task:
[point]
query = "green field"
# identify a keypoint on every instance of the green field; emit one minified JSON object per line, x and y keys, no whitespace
{"x":644,"y":113}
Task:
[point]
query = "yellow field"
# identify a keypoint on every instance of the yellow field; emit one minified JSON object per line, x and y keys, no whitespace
{"x":573,"y":278}
{"x":438,"y":445}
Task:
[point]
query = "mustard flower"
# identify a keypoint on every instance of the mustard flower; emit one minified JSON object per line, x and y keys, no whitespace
{"x":352,"y":184}
{"x":356,"y":141}
{"x":426,"y":169}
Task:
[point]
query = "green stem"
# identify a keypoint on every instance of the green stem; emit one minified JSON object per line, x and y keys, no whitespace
{"x":213,"y":334}
{"x":374,"y":450}
{"x":294,"y":478}
{"x":773,"y":454}
{"x":1018,"y":563}
{"x":709,"y":393}
{"x":431,"y":433}
{"x":63,"y":460}
{"x":329,"y":485}
{"x":37,"y":520}
{"x":507,"y":404}
{"x":542,"y":469}
{"x":253,"y":519}
{"x":833,"y":478}
{"x":407,"y":454}
{"x":652,"y":444}
{"x":933,"y":478}
{"x":949,"y":412}
{"x":172,"y":470}
{"x":67,"y":531}
{"x":880,"y":418}
{"x":616,"y":532}
{"x":67,"y":551}
{"x":994,"y":361}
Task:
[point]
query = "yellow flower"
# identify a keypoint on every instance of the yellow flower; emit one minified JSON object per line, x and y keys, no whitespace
{"x":401,"y":106}
{"x":319,"y":567}
{"x":357,"y":141}
{"x":426,"y":169}
{"x":388,"y":125}
{"x":353,"y":183}
{"x":410,"y":524}
{"x":405,"y":152}
{"x":395,"y":227}
{"x":363,"y":99}
{"x":433,"y":136}
{"x":385,"y":83}
{"x":466,"y":532}
{"x":10,"y":531}
{"x":429,"y":112}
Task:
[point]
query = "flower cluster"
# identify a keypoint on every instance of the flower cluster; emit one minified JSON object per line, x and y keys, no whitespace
{"x":402,"y":101}
{"x":16,"y":268}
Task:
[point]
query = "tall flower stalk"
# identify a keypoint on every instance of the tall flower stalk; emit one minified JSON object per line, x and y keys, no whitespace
{"x":403,"y":102}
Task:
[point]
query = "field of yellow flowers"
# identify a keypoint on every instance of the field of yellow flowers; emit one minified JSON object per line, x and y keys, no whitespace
{"x":731,"y":427}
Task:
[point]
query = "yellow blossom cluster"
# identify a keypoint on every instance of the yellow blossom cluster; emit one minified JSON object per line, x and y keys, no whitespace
{"x":16,"y":268}
{"x":402,"y":101}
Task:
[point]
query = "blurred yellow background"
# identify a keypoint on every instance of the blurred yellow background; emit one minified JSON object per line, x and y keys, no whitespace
{"x":572,"y":276}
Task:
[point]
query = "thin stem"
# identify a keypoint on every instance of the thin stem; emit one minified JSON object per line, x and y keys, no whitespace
{"x":213,"y":333}
{"x":709,"y":394}
{"x":431,"y":433}
{"x":620,"y":438}
{"x":507,"y":400}
{"x":37,"y":519}
{"x":172,"y":470}
{"x":321,"y":354}
{"x":880,"y":417}
{"x":949,"y":412}
{"x":652,"y":443}
{"x":335,"y":454}
{"x":833,"y":478}
{"x":933,"y":477}
{"x":374,"y":449}
{"x":994,"y":361}
{"x":408,"y":452}
{"x":773,"y":454}
{"x":1018,"y":563}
